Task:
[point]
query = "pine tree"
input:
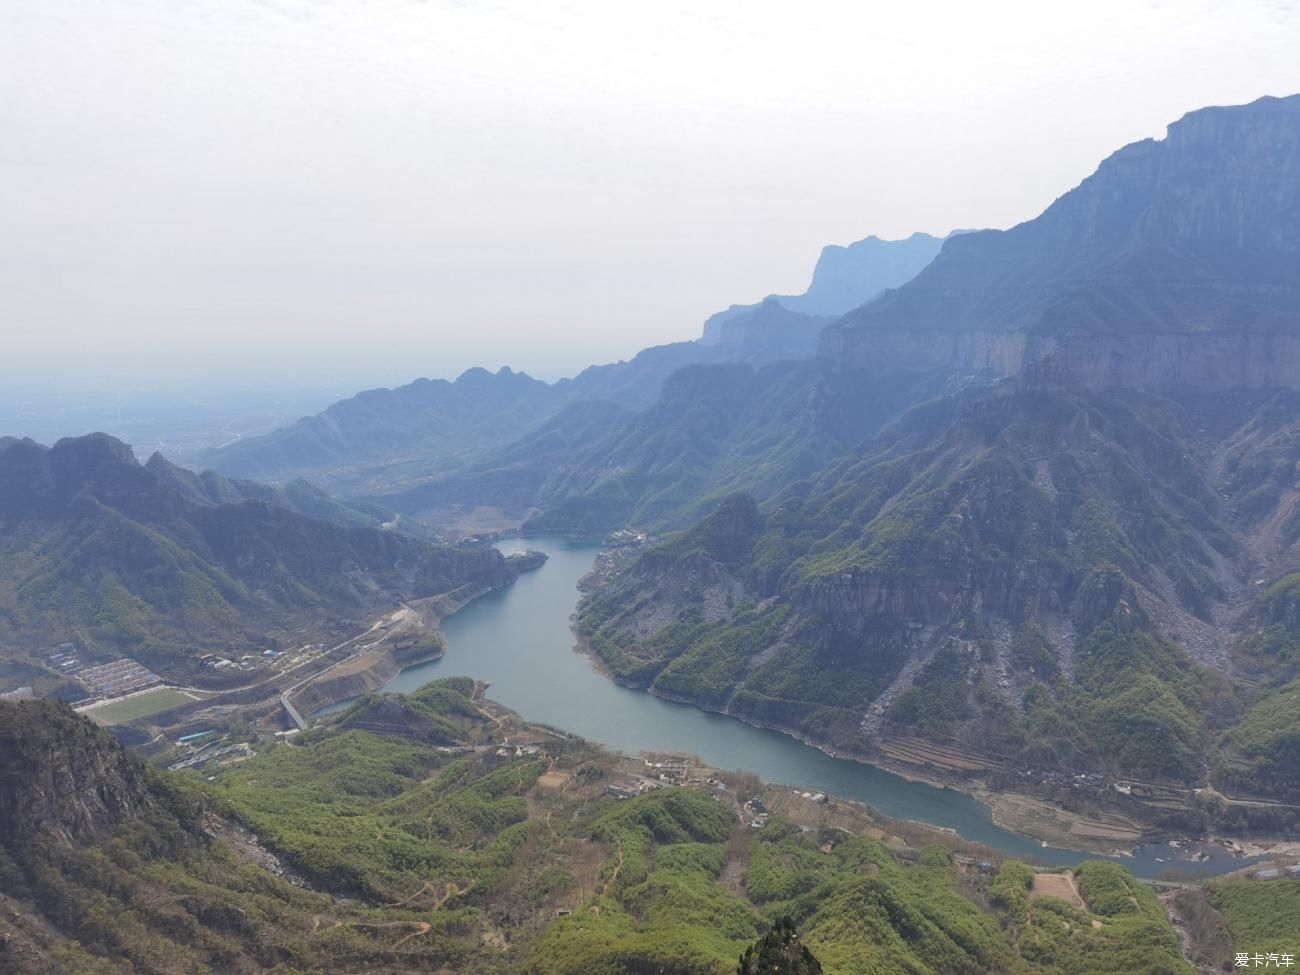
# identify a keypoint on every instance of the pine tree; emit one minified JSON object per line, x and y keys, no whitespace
{"x":779,"y":952}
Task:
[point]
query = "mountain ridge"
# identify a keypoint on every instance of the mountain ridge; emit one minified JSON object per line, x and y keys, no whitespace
{"x":121,"y":558}
{"x":1143,"y":275}
{"x":419,"y":430}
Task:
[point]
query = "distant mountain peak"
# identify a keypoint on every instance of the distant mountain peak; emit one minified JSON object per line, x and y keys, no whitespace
{"x":845,"y":277}
{"x":96,"y":447}
{"x":477,"y":375}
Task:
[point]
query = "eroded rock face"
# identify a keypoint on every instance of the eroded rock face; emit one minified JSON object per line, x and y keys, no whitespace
{"x":1203,"y":361}
{"x":981,"y":351}
{"x":63,"y":777}
{"x":658,"y":590}
{"x":1082,"y":360}
{"x":851,"y":600}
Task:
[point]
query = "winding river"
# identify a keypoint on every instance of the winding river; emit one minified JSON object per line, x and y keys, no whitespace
{"x":519,"y":638}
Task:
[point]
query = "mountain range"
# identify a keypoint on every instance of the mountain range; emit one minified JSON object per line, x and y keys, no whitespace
{"x":1050,"y":473}
{"x":1025,"y":520}
{"x":162,"y":564}
{"x":1074,"y":559}
{"x":1046,"y":481}
{"x":381,"y":438}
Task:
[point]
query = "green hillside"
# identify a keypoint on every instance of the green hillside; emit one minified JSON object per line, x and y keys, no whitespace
{"x":1052,"y":577}
{"x":124,"y":559}
{"x":349,"y":851}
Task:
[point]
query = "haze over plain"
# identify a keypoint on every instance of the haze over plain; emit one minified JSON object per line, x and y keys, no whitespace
{"x":223,"y":192}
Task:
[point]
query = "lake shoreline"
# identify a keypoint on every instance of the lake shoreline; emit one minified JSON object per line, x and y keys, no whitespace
{"x":1016,"y":812}
{"x":522,"y":639}
{"x":975,"y":788}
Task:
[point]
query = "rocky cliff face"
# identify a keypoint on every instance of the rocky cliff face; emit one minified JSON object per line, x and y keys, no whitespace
{"x":63,"y":777}
{"x":695,"y":568}
{"x":1204,"y":361}
{"x":984,"y":352}
{"x":1080,"y":359}
{"x":857,"y":598}
{"x":1173,"y":265}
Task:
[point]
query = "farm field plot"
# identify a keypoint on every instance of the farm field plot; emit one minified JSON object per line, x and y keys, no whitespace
{"x":137,"y":706}
{"x":1058,"y":885}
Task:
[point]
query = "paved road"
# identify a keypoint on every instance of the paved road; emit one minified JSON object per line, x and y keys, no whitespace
{"x":394,"y":622}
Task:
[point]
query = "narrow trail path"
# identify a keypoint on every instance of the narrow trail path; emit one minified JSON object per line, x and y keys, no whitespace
{"x":614,"y":876}
{"x":421,"y":927}
{"x":406,"y":900}
{"x":451,"y":890}
{"x":424,"y":928}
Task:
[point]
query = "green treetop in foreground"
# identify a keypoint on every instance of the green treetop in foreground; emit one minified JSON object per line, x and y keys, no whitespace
{"x":779,"y":952}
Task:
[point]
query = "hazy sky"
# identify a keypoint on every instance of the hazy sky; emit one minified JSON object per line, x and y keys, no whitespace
{"x":375,"y":189}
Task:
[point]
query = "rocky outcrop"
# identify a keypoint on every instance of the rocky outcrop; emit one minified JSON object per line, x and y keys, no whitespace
{"x":63,"y":777}
{"x":855,"y":599}
{"x":658,"y":590}
{"x":979,"y":352}
{"x":691,"y":575}
{"x":526,"y":561}
{"x":1205,"y":361}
